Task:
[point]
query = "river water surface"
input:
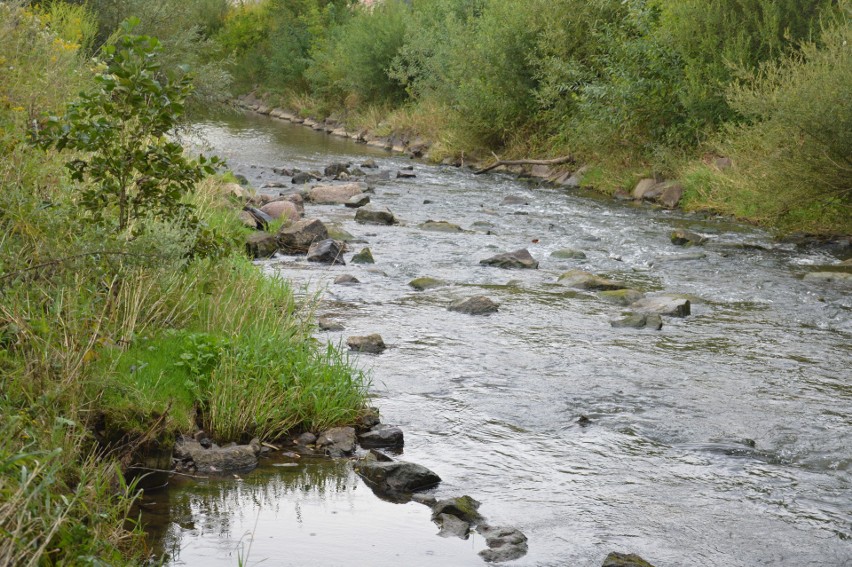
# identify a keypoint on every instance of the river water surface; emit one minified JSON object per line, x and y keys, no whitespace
{"x":721,"y":440}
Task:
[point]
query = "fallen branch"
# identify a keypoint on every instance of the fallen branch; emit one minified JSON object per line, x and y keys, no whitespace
{"x":499,"y":162}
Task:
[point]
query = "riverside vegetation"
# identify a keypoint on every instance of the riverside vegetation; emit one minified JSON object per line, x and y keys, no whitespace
{"x":129,"y":313}
{"x":745,"y":102}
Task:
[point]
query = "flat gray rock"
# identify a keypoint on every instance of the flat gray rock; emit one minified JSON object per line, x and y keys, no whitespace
{"x":663,"y":305}
{"x":519,"y":259}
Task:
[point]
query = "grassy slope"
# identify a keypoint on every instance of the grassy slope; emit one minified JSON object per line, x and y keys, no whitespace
{"x":108,"y":344}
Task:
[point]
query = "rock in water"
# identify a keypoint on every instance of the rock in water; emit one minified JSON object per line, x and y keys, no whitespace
{"x":346,"y":279}
{"x":261,"y":245}
{"x":372,"y":344}
{"x":326,"y":323}
{"x":422,"y":284}
{"x":440,"y":226}
{"x":682,"y":237}
{"x":621,"y":296}
{"x":624,"y":560}
{"x":334,"y":194}
{"x":365,"y":256}
{"x":337,"y":441}
{"x":371,"y":216}
{"x":584,"y":280}
{"x":478,"y":305}
{"x":381,"y":436}
{"x":451,"y":526}
{"x":358,"y":201}
{"x":639,"y":321}
{"x":663,"y":305}
{"x":218,"y":460}
{"x":397,"y":477}
{"x":278,"y":209}
{"x":335,"y":169}
{"x":298,"y":237}
{"x":462,"y":507}
{"x":568,"y":254}
{"x":504,"y":544}
{"x":326,"y":251}
{"x":519,"y":259}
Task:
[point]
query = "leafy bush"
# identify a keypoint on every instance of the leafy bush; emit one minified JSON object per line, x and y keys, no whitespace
{"x":134,"y":167}
{"x":794,"y":167}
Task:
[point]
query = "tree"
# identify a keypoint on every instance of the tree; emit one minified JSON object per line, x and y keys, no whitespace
{"x":122,"y":128}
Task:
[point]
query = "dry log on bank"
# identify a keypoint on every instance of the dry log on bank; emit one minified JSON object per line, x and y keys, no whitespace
{"x":499,"y":162}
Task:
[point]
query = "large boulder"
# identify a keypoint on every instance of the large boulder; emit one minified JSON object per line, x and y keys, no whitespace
{"x":519,"y":259}
{"x":279,"y":209}
{"x":373,"y":216}
{"x":584,"y":280}
{"x":337,"y":441}
{"x":477,"y":305}
{"x":504,"y":544}
{"x":672,"y":306}
{"x":297,"y":238}
{"x":261,"y":245}
{"x":624,"y":560}
{"x":217,"y":460}
{"x":326,"y":251}
{"x":334,"y":194}
{"x":373,"y":344}
{"x":396,"y":477}
{"x":381,"y":436}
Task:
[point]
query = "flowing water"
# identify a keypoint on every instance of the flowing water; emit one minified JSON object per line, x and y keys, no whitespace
{"x":721,"y":440}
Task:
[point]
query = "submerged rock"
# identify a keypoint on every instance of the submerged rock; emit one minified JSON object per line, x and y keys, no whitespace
{"x":326,"y":251}
{"x":382,"y":436}
{"x":298,"y":237}
{"x":624,"y":560}
{"x":519,"y":259}
{"x":504,"y":544}
{"x":397,"y":477}
{"x":477,"y":305}
{"x":335,"y":169}
{"x":829,"y":277}
{"x":372,"y":344}
{"x":440,"y":226}
{"x":365,"y":256}
{"x":514,"y":200}
{"x":372,"y":216}
{"x":681,"y":237}
{"x":585,"y":280}
{"x":422,"y":284}
{"x":663,"y":305}
{"x":568,"y":254}
{"x":337,"y":441}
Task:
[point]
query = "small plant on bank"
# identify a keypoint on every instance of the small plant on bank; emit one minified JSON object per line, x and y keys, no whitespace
{"x":132,"y":169}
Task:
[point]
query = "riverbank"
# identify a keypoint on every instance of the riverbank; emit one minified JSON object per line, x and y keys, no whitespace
{"x":118,"y":339}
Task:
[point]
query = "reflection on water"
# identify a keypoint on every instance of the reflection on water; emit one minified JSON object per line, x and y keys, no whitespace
{"x":722,"y":440}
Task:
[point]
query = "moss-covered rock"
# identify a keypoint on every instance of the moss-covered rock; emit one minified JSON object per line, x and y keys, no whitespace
{"x":422,"y":284}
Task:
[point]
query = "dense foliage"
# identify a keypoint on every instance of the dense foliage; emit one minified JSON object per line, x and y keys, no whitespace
{"x":634,"y":87}
{"x":112,"y":341}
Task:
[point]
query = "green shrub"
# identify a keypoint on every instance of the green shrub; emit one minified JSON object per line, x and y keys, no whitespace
{"x":136,"y":171}
{"x":793,"y":165}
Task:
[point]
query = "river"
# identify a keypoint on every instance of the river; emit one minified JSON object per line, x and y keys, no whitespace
{"x":722,"y":440}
